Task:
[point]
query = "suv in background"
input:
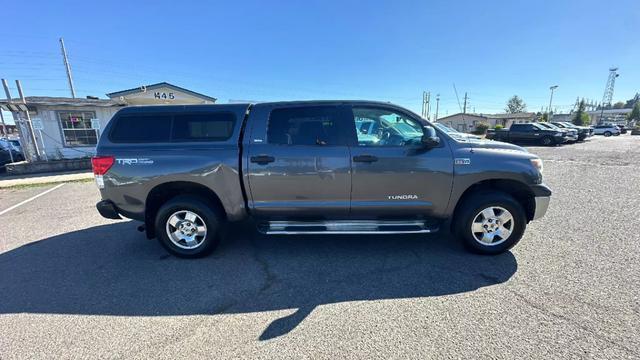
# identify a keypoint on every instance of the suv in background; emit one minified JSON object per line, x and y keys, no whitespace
{"x":606,"y":130}
{"x":570,"y":134}
{"x":531,"y":133}
{"x":583,"y":131}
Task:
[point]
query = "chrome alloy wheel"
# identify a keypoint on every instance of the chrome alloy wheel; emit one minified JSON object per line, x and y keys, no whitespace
{"x":492,"y":226}
{"x":186,"y":229}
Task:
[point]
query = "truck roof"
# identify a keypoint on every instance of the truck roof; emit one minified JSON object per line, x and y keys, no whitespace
{"x":242,"y":106}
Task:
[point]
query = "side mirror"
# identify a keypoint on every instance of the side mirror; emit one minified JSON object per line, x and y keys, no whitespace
{"x":430,"y":138}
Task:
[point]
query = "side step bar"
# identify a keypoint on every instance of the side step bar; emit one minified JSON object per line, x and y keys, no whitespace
{"x":347,"y":227}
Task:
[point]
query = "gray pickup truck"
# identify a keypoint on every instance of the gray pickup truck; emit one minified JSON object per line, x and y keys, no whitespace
{"x":311,"y":167}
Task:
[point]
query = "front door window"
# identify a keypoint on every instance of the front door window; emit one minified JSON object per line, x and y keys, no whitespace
{"x":382,"y":127}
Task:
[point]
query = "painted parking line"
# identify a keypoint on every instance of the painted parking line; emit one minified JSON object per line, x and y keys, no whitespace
{"x":30,"y":199}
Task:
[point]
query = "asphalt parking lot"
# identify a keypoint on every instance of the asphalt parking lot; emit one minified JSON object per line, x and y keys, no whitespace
{"x":74,"y":285}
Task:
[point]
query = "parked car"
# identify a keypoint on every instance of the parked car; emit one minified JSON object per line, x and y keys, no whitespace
{"x":606,"y":130}
{"x":455,"y":133}
{"x":304,"y":168}
{"x":570,"y":134}
{"x":12,"y":144}
{"x":623,"y":129}
{"x":8,"y":149}
{"x":583,"y":131}
{"x":528,"y":133}
{"x":5,"y":157}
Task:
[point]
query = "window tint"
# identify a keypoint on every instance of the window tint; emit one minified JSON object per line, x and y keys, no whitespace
{"x":521,"y":127}
{"x":203,"y":127}
{"x":382,"y":127}
{"x":305,"y":126}
{"x":141,"y":128}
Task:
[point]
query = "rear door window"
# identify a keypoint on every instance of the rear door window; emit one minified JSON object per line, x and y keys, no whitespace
{"x":203,"y":127}
{"x":316,"y":125}
{"x":141,"y":129}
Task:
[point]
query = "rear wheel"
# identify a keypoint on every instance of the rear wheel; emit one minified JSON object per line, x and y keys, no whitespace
{"x":490,"y":223}
{"x":607,"y":133}
{"x":188,"y":227}
{"x":547,"y":140}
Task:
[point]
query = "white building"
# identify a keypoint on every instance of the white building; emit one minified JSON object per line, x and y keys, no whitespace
{"x":467,"y":122}
{"x":71,"y":127}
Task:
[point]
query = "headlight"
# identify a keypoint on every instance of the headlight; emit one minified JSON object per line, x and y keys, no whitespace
{"x":558,"y":134}
{"x":537,"y":163}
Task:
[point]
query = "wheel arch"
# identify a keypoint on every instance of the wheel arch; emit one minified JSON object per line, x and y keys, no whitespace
{"x":162,"y":193}
{"x":520,"y":191}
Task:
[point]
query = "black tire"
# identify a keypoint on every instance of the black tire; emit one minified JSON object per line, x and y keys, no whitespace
{"x":607,"y":133}
{"x":547,"y":141}
{"x":473,"y":205}
{"x":208,"y":213}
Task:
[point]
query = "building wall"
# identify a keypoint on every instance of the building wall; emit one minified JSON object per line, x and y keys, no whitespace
{"x":54,"y":144}
{"x":464,"y":123}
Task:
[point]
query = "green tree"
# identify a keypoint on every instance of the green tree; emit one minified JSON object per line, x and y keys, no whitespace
{"x":581,"y":118}
{"x":515,"y":105}
{"x":635,"y":113}
{"x":632,"y":102}
{"x":618,"y":105}
{"x":543,"y":117}
{"x":481,"y":128}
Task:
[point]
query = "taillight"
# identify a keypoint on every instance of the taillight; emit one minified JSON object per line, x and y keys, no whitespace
{"x":102,"y":164}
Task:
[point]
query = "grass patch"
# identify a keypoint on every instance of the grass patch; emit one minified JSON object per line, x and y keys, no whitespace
{"x":32,"y":185}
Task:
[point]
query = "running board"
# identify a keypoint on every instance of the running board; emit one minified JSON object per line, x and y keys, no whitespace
{"x":347,"y":227}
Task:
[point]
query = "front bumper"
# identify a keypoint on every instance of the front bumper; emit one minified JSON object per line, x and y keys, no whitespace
{"x":107,"y":209}
{"x":542,"y":196}
{"x":542,"y":204}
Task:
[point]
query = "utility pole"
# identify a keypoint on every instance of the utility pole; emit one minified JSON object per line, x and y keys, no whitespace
{"x":437,"y":106}
{"x":550,"y":114}
{"x":464,"y":109}
{"x":68,"y":68}
{"x":426,"y":107}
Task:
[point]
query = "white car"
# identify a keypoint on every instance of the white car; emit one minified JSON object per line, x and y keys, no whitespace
{"x":606,"y":130}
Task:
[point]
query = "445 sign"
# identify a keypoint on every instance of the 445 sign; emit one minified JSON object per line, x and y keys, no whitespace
{"x":164,"y":95}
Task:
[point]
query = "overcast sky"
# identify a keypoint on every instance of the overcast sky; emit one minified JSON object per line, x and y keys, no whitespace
{"x":277,"y":50}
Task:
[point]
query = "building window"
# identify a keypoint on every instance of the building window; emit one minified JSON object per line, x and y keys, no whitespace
{"x":76,"y":128}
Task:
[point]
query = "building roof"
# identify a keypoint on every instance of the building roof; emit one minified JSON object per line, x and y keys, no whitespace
{"x":64,"y":101}
{"x":522,"y":115}
{"x":467,"y":114}
{"x":157,"y":86}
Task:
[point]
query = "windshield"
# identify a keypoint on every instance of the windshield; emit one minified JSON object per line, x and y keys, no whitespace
{"x":549,"y":126}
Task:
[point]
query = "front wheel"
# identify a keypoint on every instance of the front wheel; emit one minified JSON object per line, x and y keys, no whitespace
{"x":607,"y":133}
{"x":188,"y":227}
{"x":490,"y":223}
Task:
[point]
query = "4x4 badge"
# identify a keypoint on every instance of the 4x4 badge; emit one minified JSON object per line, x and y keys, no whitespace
{"x":462,"y":161}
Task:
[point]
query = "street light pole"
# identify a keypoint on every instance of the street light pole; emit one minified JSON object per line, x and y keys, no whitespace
{"x":550,"y":114}
{"x":437,"y":106}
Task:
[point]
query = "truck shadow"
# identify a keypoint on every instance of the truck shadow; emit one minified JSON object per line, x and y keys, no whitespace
{"x":114,"y":270}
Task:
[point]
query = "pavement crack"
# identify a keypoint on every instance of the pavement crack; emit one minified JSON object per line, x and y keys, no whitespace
{"x":569,"y":320}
